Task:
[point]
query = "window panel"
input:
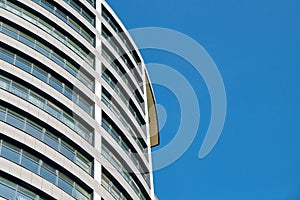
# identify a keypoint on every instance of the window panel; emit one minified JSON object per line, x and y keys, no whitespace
{"x":4,"y":83}
{"x":23,"y":64}
{"x":2,"y":113}
{"x":48,"y":173}
{"x":11,"y":153}
{"x":7,"y":56}
{"x":26,"y":39}
{"x":36,"y":100}
{"x":65,"y":150}
{"x":6,"y":191}
{"x":30,"y":162}
{"x":51,"y":140}
{"x":65,"y":183}
{"x":83,"y":162}
{"x":19,"y":90}
{"x":10,"y":31}
{"x":34,"y":130}
{"x":15,"y":120}
{"x":40,"y":74}
{"x":56,"y":84}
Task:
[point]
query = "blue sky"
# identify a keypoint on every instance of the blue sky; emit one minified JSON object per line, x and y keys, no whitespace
{"x":256,"y":46}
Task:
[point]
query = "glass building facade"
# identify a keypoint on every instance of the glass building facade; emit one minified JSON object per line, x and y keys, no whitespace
{"x":75,"y":104}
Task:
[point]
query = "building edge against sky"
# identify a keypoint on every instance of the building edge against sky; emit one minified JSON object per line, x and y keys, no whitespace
{"x":77,"y":110}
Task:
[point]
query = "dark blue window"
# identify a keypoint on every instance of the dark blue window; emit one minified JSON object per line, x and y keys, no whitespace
{"x":34,"y":130}
{"x":23,"y":64}
{"x":63,"y":184}
{"x":10,"y":154}
{"x":30,"y":164}
{"x":48,"y":174}
{"x":51,"y":141}
{"x":6,"y":191}
{"x":15,"y":121}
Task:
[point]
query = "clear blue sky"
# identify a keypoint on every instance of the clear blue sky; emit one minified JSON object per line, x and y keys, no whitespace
{"x":256,"y":46}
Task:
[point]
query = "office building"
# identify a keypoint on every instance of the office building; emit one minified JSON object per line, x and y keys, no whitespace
{"x":77,"y":111}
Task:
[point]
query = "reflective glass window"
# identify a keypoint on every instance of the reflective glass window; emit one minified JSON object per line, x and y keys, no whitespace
{"x":51,"y":140}
{"x":24,"y":38}
{"x":48,"y":173}
{"x":6,"y":191}
{"x":7,"y":56}
{"x":67,"y":151}
{"x":10,"y":152}
{"x":65,"y":183}
{"x":36,"y":100}
{"x":34,"y":130}
{"x":24,"y":194}
{"x":40,"y":74}
{"x":30,"y":162}
{"x":23,"y":64}
{"x":10,"y":31}
{"x":19,"y":90}
{"x":4,"y":83}
{"x":2,"y":113}
{"x":15,"y":120}
{"x":56,"y":84}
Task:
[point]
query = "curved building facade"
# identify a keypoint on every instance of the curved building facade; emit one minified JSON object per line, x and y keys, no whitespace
{"x":77,"y":110}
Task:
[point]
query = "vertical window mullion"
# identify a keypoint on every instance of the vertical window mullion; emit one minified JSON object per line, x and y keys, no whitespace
{"x":21,"y":155}
{"x":1,"y":146}
{"x":5,"y":117}
{"x":15,"y":58}
{"x":57,"y":176}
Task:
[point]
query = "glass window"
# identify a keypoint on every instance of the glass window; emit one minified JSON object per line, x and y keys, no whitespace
{"x":61,"y":15}
{"x":75,"y":6}
{"x":74,"y":25}
{"x":83,"y":162}
{"x":47,"y":5}
{"x":6,"y":55}
{"x":66,"y":150}
{"x":23,"y":64}
{"x":58,"y":35}
{"x":4,"y":83}
{"x":34,"y":130}
{"x":84,"y":105}
{"x":68,"y":92}
{"x":15,"y":120}
{"x":42,"y":49}
{"x":70,"y":68}
{"x":81,"y":193}
{"x":87,"y":17}
{"x":26,"y":39}
{"x":51,"y":140}
{"x":24,"y":194}
{"x":56,"y":84}
{"x":6,"y":191}
{"x":19,"y":90}
{"x":10,"y":31}
{"x":10,"y":152}
{"x":48,"y":173}
{"x":36,"y":100}
{"x":42,"y":75}
{"x":65,"y":183}
{"x":84,"y":132}
{"x":78,"y":195}
{"x":68,"y":120}
{"x":57,"y":59}
{"x":2,"y":113}
{"x":30,"y":162}
{"x":29,"y":16}
{"x":53,"y":109}
{"x":45,"y":26}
